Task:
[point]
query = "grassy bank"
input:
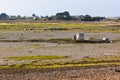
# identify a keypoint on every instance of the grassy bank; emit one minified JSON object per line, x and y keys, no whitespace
{"x":85,"y":26}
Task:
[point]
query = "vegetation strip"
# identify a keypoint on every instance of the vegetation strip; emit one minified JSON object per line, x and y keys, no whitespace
{"x":36,"y":57}
{"x":85,"y":62}
{"x":58,"y":65}
{"x":87,"y":26}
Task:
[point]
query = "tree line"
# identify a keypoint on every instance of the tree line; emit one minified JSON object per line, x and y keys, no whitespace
{"x":59,"y":16}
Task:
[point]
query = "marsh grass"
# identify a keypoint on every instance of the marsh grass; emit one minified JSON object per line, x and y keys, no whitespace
{"x":59,"y":65}
{"x":36,"y":57}
{"x":85,"y":62}
{"x":91,"y":26}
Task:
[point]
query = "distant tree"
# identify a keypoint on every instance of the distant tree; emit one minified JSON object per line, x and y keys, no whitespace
{"x":63,"y":16}
{"x":66,"y":13}
{"x":87,"y":18}
{"x":33,"y":15}
{"x":47,"y":18}
{"x":97,"y":18}
{"x":19,"y":17}
{"x":4,"y":16}
{"x":118,"y":18}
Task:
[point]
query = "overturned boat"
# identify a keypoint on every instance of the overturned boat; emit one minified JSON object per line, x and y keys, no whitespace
{"x":79,"y":37}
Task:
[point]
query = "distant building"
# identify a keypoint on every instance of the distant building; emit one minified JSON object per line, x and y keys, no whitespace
{"x":35,"y":17}
{"x":113,"y":18}
{"x":12,"y":17}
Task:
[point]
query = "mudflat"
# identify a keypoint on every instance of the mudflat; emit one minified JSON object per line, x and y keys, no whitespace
{"x":73,"y":51}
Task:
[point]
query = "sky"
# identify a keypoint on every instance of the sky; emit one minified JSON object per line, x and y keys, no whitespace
{"x":51,"y":7}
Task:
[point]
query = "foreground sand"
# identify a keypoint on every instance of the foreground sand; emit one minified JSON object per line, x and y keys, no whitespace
{"x":73,"y":73}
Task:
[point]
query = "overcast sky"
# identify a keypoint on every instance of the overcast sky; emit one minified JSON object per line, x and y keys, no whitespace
{"x":51,"y":7}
